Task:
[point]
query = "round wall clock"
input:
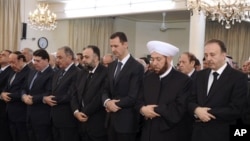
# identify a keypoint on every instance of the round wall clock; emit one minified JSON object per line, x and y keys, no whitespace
{"x":43,"y":43}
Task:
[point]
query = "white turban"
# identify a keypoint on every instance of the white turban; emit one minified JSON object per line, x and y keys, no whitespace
{"x":162,"y":48}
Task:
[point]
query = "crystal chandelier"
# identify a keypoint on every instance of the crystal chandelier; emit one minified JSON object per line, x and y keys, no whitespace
{"x":227,"y":12}
{"x":42,"y":18}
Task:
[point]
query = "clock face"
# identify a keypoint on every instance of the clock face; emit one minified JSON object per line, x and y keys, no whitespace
{"x":42,"y":42}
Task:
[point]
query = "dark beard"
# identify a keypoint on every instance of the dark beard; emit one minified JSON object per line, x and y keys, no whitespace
{"x":88,"y":67}
{"x":163,"y":69}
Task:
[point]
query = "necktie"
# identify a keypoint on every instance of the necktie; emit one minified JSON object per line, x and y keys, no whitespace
{"x":60,"y":76}
{"x":86,"y":85}
{"x":118,"y":69}
{"x":0,"y":70}
{"x":215,"y":74}
{"x":12,"y":78}
{"x":34,"y":78}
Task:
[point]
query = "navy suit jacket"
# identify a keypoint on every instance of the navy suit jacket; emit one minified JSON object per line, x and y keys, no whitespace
{"x":61,"y":113}
{"x":125,"y":89}
{"x":16,"y":109}
{"x":39,"y":113}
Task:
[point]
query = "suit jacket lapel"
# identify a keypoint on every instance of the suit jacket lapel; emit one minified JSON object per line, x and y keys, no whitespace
{"x":81,"y":86}
{"x":126,"y":66}
{"x":67,"y":73}
{"x":112,"y":72}
{"x":205,"y":84}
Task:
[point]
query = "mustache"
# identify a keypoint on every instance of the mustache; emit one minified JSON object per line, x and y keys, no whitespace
{"x":88,"y":67}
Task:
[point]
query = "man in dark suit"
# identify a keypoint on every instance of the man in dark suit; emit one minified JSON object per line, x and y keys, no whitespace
{"x":28,"y":53}
{"x":39,"y":84}
{"x":121,"y":90}
{"x":163,"y":95}
{"x":5,"y":72}
{"x":16,"y":109}
{"x":64,"y":122}
{"x":86,"y":101}
{"x":218,"y":97}
{"x":187,"y":64}
{"x":78,"y":60}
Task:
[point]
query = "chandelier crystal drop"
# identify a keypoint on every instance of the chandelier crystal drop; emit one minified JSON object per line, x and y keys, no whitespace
{"x":226,"y":12}
{"x":42,"y":18}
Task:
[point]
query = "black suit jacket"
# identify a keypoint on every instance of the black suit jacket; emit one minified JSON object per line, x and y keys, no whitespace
{"x":226,"y":101}
{"x":16,"y":109}
{"x":39,"y":113}
{"x":61,"y":113}
{"x":170,"y":94}
{"x":193,"y":75}
{"x":126,"y":90}
{"x":91,"y":95}
{"x":4,"y":76}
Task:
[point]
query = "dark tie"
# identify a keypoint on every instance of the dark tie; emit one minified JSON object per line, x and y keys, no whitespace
{"x":215,"y":74}
{"x":86,"y":86}
{"x":118,"y":69}
{"x":1,"y":71}
{"x":33,"y":80}
{"x":60,"y":76}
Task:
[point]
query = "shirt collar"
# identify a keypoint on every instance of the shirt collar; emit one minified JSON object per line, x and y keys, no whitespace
{"x":190,"y":73}
{"x":44,"y":69}
{"x":166,"y":72}
{"x":3,"y":68}
{"x":125,"y":59}
{"x":220,"y":70}
{"x":68,"y":67}
{"x":93,"y":71}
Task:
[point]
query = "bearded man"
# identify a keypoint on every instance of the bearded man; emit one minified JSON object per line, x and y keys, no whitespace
{"x":163,"y":95}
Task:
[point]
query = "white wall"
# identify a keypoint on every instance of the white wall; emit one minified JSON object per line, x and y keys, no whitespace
{"x":177,"y":34}
{"x":138,"y":33}
{"x":129,"y":28}
{"x":56,"y":38}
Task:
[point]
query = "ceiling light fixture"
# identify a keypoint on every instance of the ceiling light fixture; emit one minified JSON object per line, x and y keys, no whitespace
{"x":226,"y":12}
{"x":42,"y":18}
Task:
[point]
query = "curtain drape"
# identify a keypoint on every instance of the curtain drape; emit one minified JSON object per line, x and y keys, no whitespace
{"x":10,"y":24}
{"x":236,"y":39}
{"x":92,"y":31}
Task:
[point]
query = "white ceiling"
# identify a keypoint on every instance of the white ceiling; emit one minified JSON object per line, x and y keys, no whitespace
{"x":179,"y":14}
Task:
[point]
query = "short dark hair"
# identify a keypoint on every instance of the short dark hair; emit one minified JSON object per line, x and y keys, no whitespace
{"x":41,"y":53}
{"x":96,"y":50}
{"x":219,"y":42}
{"x":145,"y":59}
{"x":8,"y":51}
{"x":197,"y":62}
{"x":68,"y":51}
{"x":191,"y":56}
{"x":80,"y":54}
{"x":20,"y":56}
{"x":122,"y":36}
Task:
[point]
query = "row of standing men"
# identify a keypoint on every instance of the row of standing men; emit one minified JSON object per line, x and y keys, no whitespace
{"x":115,"y":103}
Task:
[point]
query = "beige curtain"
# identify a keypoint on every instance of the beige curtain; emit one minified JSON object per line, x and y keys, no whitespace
{"x":93,"y":31}
{"x":10,"y":24}
{"x":237,"y":39}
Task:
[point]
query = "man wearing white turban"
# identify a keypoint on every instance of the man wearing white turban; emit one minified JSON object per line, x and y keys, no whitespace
{"x":163,"y":95}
